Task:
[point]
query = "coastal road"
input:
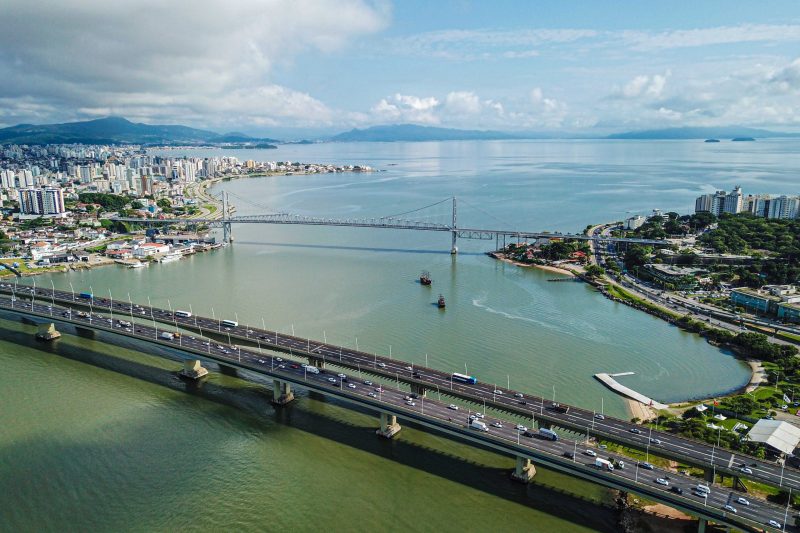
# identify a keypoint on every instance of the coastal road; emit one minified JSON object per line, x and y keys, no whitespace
{"x":648,"y":480}
{"x":483,"y":395}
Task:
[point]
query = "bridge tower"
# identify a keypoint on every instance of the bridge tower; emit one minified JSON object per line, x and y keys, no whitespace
{"x":227,"y":234}
{"x":454,"y":230}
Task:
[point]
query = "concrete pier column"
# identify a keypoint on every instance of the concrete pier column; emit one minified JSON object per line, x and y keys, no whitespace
{"x":319,"y":363}
{"x":524,"y":470}
{"x":389,"y":426}
{"x":47,"y":332}
{"x":281,"y":392}
{"x":192,"y":369}
{"x":419,"y":390}
{"x":701,"y":525}
{"x":708,"y":474}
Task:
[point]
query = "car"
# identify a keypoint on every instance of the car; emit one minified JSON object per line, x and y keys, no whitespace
{"x":473,"y":417}
{"x":343,"y":377}
{"x":655,"y":441}
{"x":294,"y":365}
{"x":372,"y":394}
{"x":408,"y":398}
{"x":378,"y":389}
{"x":382,"y":365}
{"x":569,"y":455}
{"x":261,"y":361}
{"x":351,"y":385}
{"x":281,"y":365}
{"x":523,"y":402}
{"x":621,"y":465}
{"x":590,"y":453}
{"x":498,"y":391}
{"x":602,"y":446}
{"x":496,"y":424}
{"x":662,"y":481}
{"x":647,"y":466}
{"x":730,"y":508}
{"x":519,"y":426}
{"x":522,"y":429}
{"x":478,"y":415}
{"x":676,"y":489}
{"x":332,"y":380}
{"x":409,"y":368}
{"x":745,"y":470}
{"x":368,"y":383}
{"x":278,"y":359}
{"x":518,"y":395}
{"x":409,"y":402}
{"x":635,"y":430}
{"x":700,"y":493}
{"x":774,"y":523}
{"x":742,"y":501}
{"x":598,"y":416}
{"x":453,"y":406}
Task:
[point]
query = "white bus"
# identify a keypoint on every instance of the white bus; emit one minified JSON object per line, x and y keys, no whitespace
{"x":230,"y":323}
{"x":184,"y":314}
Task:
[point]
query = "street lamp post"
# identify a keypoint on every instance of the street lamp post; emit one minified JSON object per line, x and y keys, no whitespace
{"x":53,"y":297}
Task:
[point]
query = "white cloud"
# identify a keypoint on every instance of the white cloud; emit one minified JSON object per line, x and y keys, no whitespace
{"x":644,"y":86}
{"x":209,"y":60}
{"x":406,"y":108}
{"x":462,"y":102}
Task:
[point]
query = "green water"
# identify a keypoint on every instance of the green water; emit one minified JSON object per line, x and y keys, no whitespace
{"x":98,"y":437}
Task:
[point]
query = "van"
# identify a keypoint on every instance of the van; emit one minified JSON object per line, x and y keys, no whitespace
{"x":167,"y":335}
{"x":478,"y":424}
{"x":311,"y":369}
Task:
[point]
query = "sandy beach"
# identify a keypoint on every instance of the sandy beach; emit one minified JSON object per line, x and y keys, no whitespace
{"x":557,"y":270}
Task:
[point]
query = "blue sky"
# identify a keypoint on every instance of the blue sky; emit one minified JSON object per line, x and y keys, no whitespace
{"x":278,"y":66}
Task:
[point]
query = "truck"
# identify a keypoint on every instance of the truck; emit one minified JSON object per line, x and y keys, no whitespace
{"x":166,"y":335}
{"x":86,"y":295}
{"x":311,"y":369}
{"x":604,"y":464}
{"x":478,"y":424}
{"x":547,"y":434}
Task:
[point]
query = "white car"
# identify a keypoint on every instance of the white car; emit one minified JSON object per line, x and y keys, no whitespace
{"x":332,"y":380}
{"x":590,"y":453}
{"x":496,"y":424}
{"x":730,"y":508}
{"x":742,"y":501}
{"x":520,"y":427}
{"x":351,"y":385}
{"x":518,"y":395}
{"x":655,"y":441}
{"x":372,"y":394}
{"x":342,"y":376}
{"x":409,"y":402}
{"x":598,"y":416}
{"x":498,"y":391}
{"x":774,"y":523}
{"x":368,"y":383}
{"x":382,"y":365}
{"x":745,"y":470}
{"x":478,"y":415}
{"x":453,"y":406}
{"x":662,"y":481}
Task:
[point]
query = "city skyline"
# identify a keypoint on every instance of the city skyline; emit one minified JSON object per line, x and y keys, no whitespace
{"x":275,"y":68}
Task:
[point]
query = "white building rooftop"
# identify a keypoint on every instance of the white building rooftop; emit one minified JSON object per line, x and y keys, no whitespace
{"x":782,"y":436}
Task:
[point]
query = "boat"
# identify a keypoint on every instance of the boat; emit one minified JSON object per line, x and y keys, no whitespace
{"x":425,"y":278}
{"x":138,"y":265}
{"x":441,"y":303}
{"x":169,"y":258}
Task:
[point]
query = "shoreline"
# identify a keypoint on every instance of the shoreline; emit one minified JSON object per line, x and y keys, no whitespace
{"x":549,"y":268}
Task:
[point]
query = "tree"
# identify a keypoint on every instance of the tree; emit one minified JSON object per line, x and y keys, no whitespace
{"x":637,"y":255}
{"x":136,"y":204}
{"x":594,"y":271}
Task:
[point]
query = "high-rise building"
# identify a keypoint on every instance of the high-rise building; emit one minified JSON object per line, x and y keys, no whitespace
{"x":733,"y":201}
{"x":36,"y":202}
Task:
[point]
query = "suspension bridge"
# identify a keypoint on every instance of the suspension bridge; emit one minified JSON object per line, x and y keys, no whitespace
{"x":413,"y":220}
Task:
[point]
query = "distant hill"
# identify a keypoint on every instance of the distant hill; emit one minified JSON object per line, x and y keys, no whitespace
{"x":729,"y":132}
{"x":111,"y":130}
{"x":240,"y":138}
{"x":411,"y":132}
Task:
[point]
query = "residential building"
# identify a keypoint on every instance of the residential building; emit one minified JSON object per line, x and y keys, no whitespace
{"x":634,"y":222}
{"x":733,"y":201}
{"x":39,"y":202}
{"x":765,"y":300}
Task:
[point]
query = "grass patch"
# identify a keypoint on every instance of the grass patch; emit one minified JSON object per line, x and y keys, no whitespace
{"x":622,"y":294}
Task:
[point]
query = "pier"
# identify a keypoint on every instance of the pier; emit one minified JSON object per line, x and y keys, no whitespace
{"x":613,"y":384}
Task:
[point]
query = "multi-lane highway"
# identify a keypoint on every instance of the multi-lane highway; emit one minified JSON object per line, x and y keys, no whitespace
{"x":534,"y":408}
{"x":503,"y":434}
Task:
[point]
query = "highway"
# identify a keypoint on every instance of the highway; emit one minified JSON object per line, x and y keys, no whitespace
{"x":484,"y":395}
{"x":503,"y":434}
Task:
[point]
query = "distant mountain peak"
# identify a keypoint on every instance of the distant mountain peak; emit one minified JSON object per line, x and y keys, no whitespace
{"x":415,"y":132}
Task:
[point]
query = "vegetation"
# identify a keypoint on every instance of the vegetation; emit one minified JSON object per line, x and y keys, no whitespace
{"x":111,"y":202}
{"x":594,"y":271}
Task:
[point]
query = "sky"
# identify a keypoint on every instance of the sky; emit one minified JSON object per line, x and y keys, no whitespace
{"x":279,"y":66}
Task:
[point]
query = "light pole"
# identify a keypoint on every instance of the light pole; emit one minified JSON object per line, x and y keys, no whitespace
{"x":357,"y":345}
{"x":426,"y":360}
{"x":53,"y":295}
{"x":72,"y":289}
{"x":111,"y":307}
{"x":390,"y":351}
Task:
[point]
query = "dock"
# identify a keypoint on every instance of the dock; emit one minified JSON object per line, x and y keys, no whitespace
{"x":619,"y":388}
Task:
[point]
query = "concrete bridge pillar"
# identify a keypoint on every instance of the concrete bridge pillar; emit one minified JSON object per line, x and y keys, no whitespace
{"x":701,"y":525}
{"x":419,"y":390}
{"x":708,"y":474}
{"x":524,"y":471}
{"x":319,"y":363}
{"x":281,"y":392}
{"x":47,"y":332}
{"x":389,"y":426}
{"x":192,"y":369}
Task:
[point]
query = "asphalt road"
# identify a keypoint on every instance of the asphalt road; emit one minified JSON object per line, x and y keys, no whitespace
{"x":758,"y":512}
{"x":483,"y":394}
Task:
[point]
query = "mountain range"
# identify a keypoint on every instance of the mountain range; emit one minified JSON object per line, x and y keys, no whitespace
{"x":117,"y":130}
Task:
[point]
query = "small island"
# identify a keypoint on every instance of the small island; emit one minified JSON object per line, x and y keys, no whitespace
{"x":742,"y":139}
{"x":712,"y":140}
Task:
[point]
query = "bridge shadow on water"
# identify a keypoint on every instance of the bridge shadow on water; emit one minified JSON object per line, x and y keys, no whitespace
{"x":354,"y":248}
{"x":551,"y":492}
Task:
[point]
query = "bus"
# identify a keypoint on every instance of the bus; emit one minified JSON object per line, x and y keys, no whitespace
{"x":86,"y":295}
{"x":230,"y":323}
{"x":184,"y":314}
{"x":464,"y":378}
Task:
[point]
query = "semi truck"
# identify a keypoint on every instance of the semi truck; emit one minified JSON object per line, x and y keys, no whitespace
{"x":557,"y":407}
{"x":603,"y":464}
{"x":548,"y":434}
{"x":167,"y":335}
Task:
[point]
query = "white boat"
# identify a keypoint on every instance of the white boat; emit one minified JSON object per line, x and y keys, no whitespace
{"x":169,"y":258}
{"x":138,"y":265}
